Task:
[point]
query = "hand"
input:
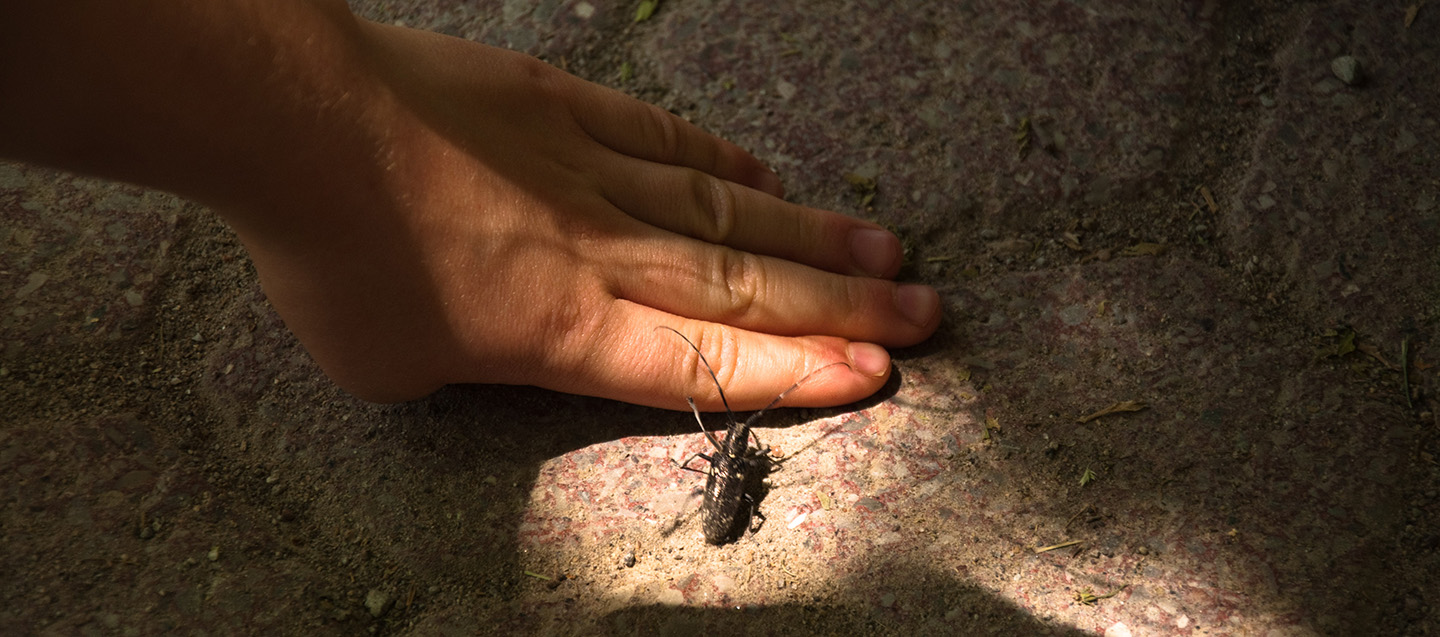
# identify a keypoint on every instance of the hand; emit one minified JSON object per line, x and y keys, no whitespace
{"x":425,"y":210}
{"x":536,"y":229}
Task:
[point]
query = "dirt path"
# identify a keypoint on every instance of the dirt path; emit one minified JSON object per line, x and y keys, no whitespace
{"x":1183,"y":208}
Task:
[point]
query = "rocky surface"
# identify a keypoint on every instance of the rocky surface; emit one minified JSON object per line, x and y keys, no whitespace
{"x":1185,"y":206}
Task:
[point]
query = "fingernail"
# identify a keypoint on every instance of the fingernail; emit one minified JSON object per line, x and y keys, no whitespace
{"x":918,"y":303}
{"x":869,"y":359}
{"x":874,"y":251}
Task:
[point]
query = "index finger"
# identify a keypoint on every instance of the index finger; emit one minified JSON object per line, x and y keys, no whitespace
{"x":626,"y":358}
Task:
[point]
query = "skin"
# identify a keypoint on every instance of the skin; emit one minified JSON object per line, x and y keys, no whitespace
{"x":425,"y":210}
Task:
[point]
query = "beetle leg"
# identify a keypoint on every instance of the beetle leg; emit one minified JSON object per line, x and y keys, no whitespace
{"x":686,"y":465}
{"x":757,"y":519}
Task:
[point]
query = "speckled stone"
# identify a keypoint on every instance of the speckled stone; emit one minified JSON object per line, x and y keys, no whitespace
{"x":1024,"y":151}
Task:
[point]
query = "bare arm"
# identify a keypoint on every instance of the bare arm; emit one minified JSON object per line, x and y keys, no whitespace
{"x":425,"y":210}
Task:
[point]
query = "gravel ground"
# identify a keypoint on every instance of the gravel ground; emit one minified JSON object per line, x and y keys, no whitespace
{"x":1198,"y":212}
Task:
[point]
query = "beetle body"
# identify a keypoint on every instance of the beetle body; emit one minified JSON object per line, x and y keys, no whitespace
{"x":736,"y":478}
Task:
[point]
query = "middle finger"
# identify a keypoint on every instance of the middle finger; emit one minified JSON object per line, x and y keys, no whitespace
{"x":696,"y":204}
{"x":700,"y":280}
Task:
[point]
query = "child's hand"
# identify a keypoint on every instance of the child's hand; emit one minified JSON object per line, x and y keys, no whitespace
{"x":425,"y":210}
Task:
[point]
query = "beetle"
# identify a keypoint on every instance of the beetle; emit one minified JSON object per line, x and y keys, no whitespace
{"x":737,"y":470}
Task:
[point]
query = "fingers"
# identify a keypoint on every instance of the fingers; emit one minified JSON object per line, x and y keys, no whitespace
{"x":763,"y":279}
{"x":629,"y":359}
{"x":640,"y":130}
{"x":696,"y":204}
{"x":720,"y":284}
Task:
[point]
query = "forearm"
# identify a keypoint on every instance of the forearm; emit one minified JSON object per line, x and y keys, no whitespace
{"x":240,"y":104}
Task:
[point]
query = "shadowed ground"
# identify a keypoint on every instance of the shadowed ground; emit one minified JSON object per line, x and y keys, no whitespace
{"x":1181,"y":206}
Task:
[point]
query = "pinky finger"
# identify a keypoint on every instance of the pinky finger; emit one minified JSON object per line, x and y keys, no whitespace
{"x":632,"y":127}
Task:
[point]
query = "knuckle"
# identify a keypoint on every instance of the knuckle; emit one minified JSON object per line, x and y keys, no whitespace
{"x":532,"y":74}
{"x":711,"y":365}
{"x":666,"y":134}
{"x":531,"y":68}
{"x":716,"y":203}
{"x":744,"y":283}
{"x":559,"y":338}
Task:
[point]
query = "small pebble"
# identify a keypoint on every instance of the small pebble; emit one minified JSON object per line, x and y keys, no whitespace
{"x":629,"y":559}
{"x":214,"y":554}
{"x":724,"y":583}
{"x":377,"y":602}
{"x":1347,"y":68}
{"x":672,"y":597}
{"x":1011,"y":246}
{"x":36,"y":280}
{"x":1118,"y":629}
{"x":797,"y":520}
{"x":1414,"y":608}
